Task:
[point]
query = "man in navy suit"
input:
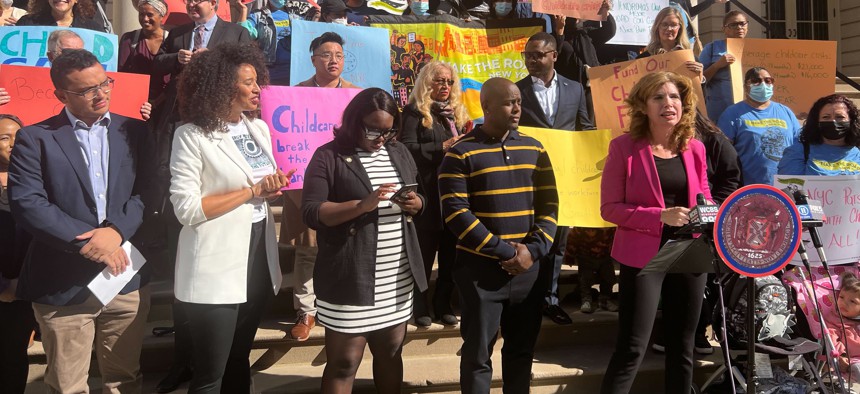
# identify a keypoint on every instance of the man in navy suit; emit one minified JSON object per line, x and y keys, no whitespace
{"x":551,"y":101}
{"x":73,"y":185}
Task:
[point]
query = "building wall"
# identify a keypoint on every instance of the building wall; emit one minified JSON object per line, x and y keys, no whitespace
{"x":849,"y":45}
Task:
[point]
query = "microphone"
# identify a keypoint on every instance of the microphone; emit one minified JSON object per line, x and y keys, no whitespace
{"x":812,"y":216}
{"x":703,"y":214}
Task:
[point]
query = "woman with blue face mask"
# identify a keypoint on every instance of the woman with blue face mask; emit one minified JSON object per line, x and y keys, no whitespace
{"x":417,"y":8}
{"x":759,"y":128}
{"x":502,"y":9}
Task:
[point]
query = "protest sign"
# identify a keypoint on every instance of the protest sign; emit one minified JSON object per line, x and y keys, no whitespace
{"x":612,"y":83}
{"x":394,"y":7}
{"x":804,"y":70}
{"x":301,"y":120}
{"x":33,"y":98}
{"x":634,"y":19}
{"x":177,"y":14}
{"x":840,"y":198}
{"x":365,"y":64}
{"x":577,"y":161}
{"x":28,"y":45}
{"x":579,"y":9}
{"x":478,"y":50}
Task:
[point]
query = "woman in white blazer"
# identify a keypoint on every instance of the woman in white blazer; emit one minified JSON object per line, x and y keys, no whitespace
{"x":222,"y":173}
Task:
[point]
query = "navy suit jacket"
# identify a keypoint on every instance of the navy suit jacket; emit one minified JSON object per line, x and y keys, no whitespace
{"x":51,"y":197}
{"x":572,"y":113}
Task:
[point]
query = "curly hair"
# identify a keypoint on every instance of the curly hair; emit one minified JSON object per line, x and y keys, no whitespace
{"x":655,"y":47}
{"x":84,"y":8}
{"x":810,"y":132}
{"x":421,"y":94}
{"x":207,"y":85}
{"x":369,"y":100}
{"x":638,"y":103}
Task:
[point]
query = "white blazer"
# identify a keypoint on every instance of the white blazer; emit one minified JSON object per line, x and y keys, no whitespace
{"x":212,"y":257}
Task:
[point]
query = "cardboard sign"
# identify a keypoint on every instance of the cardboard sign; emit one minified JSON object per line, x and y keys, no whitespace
{"x":301,"y":120}
{"x":634,"y":19}
{"x":365,"y":53}
{"x":177,"y":14}
{"x":33,"y":98}
{"x":840,"y":197}
{"x":577,"y":161}
{"x":28,"y":45}
{"x":579,"y":9}
{"x":611,"y":84}
{"x":804,"y":70}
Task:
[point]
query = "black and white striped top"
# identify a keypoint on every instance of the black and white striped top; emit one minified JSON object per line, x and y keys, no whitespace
{"x":393,"y":278}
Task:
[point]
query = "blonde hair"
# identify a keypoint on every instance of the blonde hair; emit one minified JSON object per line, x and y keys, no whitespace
{"x":638,"y":103}
{"x":683,"y":40}
{"x":421,"y":94}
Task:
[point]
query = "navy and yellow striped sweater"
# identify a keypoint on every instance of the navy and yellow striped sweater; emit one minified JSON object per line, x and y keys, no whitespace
{"x":494,"y":192}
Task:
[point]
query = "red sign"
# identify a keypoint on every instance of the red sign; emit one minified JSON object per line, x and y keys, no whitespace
{"x":33,"y":98}
{"x":177,"y":15}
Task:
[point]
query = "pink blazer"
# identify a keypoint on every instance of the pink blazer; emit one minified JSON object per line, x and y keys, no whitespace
{"x":631,"y":198}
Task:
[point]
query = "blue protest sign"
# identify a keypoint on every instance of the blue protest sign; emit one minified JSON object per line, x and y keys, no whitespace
{"x":28,"y":45}
{"x":366,"y":53}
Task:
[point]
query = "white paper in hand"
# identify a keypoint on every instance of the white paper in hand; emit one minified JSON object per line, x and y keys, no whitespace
{"x":105,"y":286}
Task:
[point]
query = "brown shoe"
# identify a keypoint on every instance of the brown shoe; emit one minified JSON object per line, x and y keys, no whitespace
{"x":301,"y":331}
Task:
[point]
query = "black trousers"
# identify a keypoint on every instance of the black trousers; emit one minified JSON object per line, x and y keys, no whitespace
{"x":639,"y":296}
{"x":551,"y":265}
{"x":224,"y":333}
{"x":493,"y":299}
{"x":18,"y":322}
{"x":432,"y":241}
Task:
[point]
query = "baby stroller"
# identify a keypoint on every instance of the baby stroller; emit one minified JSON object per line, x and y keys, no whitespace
{"x":773,"y":339}
{"x":823,"y":286}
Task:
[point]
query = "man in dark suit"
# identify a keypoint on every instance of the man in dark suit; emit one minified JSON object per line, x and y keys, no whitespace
{"x":74,"y":184}
{"x":551,"y":101}
{"x":206,"y":30}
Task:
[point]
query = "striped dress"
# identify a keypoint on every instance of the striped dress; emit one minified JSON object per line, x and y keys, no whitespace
{"x":393,"y":277}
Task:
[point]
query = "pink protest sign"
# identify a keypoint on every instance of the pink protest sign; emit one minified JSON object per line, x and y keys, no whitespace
{"x":301,"y":120}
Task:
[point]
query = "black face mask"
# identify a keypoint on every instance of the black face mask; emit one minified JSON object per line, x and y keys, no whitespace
{"x":834,"y":130}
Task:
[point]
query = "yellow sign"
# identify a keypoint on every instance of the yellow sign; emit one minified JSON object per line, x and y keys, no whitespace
{"x":804,"y":70}
{"x":612,"y":83}
{"x":577,"y":160}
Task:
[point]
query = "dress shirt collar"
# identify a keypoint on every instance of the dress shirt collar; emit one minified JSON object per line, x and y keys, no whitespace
{"x":80,"y":124}
{"x":210,"y":24}
{"x":552,"y":83}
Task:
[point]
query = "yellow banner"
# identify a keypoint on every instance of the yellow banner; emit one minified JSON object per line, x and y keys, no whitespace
{"x":479,"y":50}
{"x":804,"y":70}
{"x":612,"y":83}
{"x":577,"y":161}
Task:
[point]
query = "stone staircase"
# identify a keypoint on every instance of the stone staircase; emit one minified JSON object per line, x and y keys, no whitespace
{"x":569,"y":359}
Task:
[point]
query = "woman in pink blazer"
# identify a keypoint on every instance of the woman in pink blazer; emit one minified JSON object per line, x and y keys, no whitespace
{"x":650,"y":182}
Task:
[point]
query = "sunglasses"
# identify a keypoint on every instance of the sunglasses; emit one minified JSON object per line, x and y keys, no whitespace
{"x":373,"y":134}
{"x":536,"y":55}
{"x":759,"y":80}
{"x":442,"y":81}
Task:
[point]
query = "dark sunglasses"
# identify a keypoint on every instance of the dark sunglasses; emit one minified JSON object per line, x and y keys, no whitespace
{"x":442,"y":81}
{"x":536,"y":55}
{"x":758,"y":80}
{"x":373,"y":134}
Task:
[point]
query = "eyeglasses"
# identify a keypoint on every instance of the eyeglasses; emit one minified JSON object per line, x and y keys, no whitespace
{"x":670,"y":26}
{"x":737,"y":25}
{"x":759,"y":80}
{"x":105,"y":87}
{"x":537,"y":55}
{"x":373,"y":134}
{"x":443,"y":81}
{"x":195,"y":2}
{"x":328,"y":55}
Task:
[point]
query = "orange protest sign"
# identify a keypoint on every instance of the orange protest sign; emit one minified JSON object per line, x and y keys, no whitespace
{"x":33,"y":98}
{"x":178,"y":15}
{"x":612,"y":83}
{"x":579,"y":9}
{"x":803,"y":70}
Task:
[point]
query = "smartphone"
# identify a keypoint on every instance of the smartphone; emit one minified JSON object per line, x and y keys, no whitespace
{"x":400,"y":195}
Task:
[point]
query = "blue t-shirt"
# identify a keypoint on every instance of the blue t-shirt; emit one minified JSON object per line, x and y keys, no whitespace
{"x":760,"y":136}
{"x":823,"y":160}
{"x":718,"y":90}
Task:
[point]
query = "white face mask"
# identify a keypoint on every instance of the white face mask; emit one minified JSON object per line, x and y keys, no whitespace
{"x":6,"y":4}
{"x":339,"y":21}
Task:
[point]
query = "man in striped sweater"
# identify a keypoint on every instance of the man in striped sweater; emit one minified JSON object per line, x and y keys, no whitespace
{"x":499,"y":198}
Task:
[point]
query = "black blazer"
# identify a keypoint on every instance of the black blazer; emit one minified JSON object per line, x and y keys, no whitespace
{"x":346,"y":260}
{"x":425,"y":144}
{"x":51,"y":197}
{"x":572,"y":113}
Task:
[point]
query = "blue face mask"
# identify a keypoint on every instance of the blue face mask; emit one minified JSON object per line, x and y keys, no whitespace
{"x":279,"y":4}
{"x":503,"y":8}
{"x":420,"y":7}
{"x":761,"y":93}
